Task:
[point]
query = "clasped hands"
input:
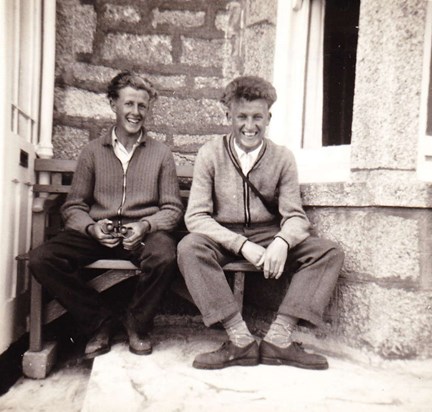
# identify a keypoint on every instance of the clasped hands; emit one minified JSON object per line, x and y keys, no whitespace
{"x":131,"y":239}
{"x":271,"y":259}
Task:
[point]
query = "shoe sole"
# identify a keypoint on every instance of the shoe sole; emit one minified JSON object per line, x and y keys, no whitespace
{"x":99,"y":352}
{"x":277,"y":361}
{"x":140,"y":352}
{"x":235,"y":362}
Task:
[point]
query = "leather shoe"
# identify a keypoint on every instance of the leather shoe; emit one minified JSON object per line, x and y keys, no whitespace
{"x":228,"y":355}
{"x":139,"y":345}
{"x":293,"y":355}
{"x":100,"y":342}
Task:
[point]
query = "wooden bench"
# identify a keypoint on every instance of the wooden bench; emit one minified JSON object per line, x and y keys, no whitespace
{"x":54,"y":182}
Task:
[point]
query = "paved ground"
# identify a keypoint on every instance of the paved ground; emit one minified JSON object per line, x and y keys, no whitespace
{"x":166,"y":382}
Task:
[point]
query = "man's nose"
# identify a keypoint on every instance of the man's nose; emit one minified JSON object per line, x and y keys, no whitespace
{"x":249,"y":124}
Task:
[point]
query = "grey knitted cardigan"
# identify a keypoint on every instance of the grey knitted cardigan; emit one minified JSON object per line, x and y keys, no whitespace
{"x":219,"y":196}
{"x":150,"y":185}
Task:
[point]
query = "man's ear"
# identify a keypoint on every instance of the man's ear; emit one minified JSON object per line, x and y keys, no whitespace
{"x":113,"y":105}
{"x":269,"y":117}
{"x":228,"y":115}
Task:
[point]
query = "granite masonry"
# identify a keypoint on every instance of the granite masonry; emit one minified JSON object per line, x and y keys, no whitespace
{"x":381,"y":217}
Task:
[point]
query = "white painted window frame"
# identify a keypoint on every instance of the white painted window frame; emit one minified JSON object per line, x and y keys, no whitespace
{"x":424,"y":163}
{"x":298,"y":78}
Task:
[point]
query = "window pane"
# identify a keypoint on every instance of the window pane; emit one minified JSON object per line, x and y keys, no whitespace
{"x":340,"y":50}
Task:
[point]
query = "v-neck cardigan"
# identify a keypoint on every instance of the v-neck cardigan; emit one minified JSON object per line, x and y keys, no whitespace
{"x":219,"y":197}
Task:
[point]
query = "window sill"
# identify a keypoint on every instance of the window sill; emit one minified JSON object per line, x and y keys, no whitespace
{"x":326,"y":164}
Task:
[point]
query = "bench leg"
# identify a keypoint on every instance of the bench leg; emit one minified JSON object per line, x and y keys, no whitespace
{"x":238,"y":288}
{"x":39,"y":359}
{"x":37,"y":365}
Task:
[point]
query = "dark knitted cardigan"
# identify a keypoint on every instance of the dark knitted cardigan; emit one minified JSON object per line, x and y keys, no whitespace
{"x":150,"y":186}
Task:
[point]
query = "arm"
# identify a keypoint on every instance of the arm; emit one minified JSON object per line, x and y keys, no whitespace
{"x":199,"y":214}
{"x":76,"y":208}
{"x":170,"y":204}
{"x":294,"y":224}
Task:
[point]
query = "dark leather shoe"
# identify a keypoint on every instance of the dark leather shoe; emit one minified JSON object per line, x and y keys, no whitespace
{"x":139,"y":345}
{"x":293,"y":355}
{"x":100,"y":342}
{"x":228,"y":355}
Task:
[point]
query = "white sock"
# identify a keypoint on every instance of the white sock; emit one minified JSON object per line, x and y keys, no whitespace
{"x":237,"y":330}
{"x":280,"y":331}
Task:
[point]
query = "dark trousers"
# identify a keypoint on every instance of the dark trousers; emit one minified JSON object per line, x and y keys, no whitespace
{"x":56,"y":265}
{"x":314,"y":265}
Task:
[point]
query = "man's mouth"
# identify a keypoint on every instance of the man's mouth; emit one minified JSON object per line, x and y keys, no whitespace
{"x":133,"y":121}
{"x":249,"y":134}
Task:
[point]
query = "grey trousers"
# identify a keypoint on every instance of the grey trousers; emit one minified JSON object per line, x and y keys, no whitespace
{"x":314,"y":265}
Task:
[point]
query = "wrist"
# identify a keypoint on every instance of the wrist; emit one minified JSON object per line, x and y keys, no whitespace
{"x":90,"y":229}
{"x":282,"y":241}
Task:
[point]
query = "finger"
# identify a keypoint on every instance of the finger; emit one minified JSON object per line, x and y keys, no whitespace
{"x":260,"y":263}
{"x":279,"y":274}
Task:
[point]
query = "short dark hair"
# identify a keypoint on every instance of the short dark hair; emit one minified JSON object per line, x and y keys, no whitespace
{"x":249,"y":88}
{"x":127,"y":78}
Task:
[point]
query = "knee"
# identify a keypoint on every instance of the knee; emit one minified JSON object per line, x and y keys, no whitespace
{"x":335,"y":252}
{"x":189,"y":245}
{"x":39,"y":257}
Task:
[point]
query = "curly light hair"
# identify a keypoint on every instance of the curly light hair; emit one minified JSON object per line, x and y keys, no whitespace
{"x":249,"y":88}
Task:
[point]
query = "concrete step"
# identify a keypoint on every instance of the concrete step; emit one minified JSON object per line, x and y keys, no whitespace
{"x":166,"y":382}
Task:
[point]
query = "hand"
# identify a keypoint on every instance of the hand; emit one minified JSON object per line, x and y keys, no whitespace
{"x":274,"y":259}
{"x":102,"y":235}
{"x":253,"y":253}
{"x":135,"y":235}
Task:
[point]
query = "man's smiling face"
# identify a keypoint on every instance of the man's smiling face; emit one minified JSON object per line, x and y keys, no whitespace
{"x":131,"y":108}
{"x":249,"y":120}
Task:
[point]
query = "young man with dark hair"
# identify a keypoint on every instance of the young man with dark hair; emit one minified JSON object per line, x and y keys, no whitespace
{"x":245,"y":201}
{"x":123,"y":202}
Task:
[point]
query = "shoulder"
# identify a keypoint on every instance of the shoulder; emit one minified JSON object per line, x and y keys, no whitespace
{"x":280,"y":152}
{"x":157,"y":146}
{"x":212,"y":147}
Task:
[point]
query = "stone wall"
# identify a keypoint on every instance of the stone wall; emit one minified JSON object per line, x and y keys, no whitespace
{"x":190,"y":49}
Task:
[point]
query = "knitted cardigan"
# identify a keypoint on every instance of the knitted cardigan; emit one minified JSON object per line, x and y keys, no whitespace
{"x":150,"y":187}
{"x":219,"y":197}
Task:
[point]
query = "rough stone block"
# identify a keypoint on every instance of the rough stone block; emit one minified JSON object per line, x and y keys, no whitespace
{"x":144,"y":49}
{"x":189,"y":142}
{"x":201,"y":52}
{"x":389,"y":64}
{"x":81,"y":103}
{"x":259,"y":54}
{"x":261,"y":11}
{"x":221,"y":20}
{"x":157,"y":136}
{"x":117,"y":13}
{"x":173,"y":112}
{"x":373,"y":241}
{"x":178,"y":18}
{"x":69,"y":141}
{"x":209,"y":82}
{"x":75,"y":30}
{"x":37,"y":365}
{"x":391,"y":322}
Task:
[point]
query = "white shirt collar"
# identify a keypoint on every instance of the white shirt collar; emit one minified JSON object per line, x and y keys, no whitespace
{"x":247,"y":159}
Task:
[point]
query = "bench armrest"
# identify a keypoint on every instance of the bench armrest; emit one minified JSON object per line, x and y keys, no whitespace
{"x":45,"y":204}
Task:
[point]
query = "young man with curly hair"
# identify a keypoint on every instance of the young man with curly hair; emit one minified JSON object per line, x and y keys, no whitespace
{"x":245,"y":201}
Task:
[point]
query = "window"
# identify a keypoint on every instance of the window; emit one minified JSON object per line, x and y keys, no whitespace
{"x":425,"y":119}
{"x":316,"y":43}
